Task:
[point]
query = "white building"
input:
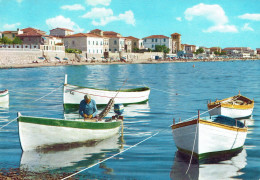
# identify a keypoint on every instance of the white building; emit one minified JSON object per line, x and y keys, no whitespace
{"x":61,"y":32}
{"x":89,"y":43}
{"x":151,"y":41}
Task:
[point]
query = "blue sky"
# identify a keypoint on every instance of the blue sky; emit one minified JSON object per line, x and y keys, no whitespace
{"x":224,"y":23}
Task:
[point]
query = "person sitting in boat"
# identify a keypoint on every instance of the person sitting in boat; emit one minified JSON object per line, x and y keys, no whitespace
{"x":88,"y":107}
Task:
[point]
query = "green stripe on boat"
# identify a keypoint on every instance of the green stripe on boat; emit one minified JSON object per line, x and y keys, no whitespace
{"x":4,"y":95}
{"x":69,"y":123}
{"x":210,"y":154}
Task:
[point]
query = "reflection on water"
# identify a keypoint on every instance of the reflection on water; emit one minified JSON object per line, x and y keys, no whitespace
{"x":221,"y":168}
{"x":68,"y":160}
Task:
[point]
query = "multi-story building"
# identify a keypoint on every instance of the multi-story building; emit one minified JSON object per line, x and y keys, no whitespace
{"x":106,"y":39}
{"x":153,"y":40}
{"x":136,"y":43}
{"x":215,"y":49}
{"x":128,"y":45}
{"x":89,"y":43}
{"x":189,"y":49}
{"x":176,"y":42}
{"x":116,"y":41}
{"x":61,"y":32}
{"x":11,"y":34}
{"x":230,"y":50}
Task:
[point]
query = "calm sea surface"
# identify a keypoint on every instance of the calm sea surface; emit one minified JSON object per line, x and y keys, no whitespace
{"x":178,"y":90}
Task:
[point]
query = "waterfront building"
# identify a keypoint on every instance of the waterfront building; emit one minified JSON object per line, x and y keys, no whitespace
{"x":116,"y":41}
{"x":215,"y":49}
{"x":11,"y":34}
{"x":89,"y":43}
{"x":106,"y":39}
{"x":128,"y":45}
{"x":61,"y":32}
{"x":257,"y":50}
{"x":189,"y":48}
{"x":176,"y":42}
{"x":136,"y":43}
{"x":153,"y":40}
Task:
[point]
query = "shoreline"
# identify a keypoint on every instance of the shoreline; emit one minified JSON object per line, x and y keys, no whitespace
{"x":71,"y":63}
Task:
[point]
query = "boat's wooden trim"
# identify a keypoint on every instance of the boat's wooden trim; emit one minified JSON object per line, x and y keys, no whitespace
{"x":223,"y":126}
{"x":69,"y":123}
{"x":220,"y":103}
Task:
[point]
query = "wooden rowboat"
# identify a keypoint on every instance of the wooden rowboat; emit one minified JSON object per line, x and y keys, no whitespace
{"x":72,"y":95}
{"x":209,"y":136}
{"x":4,"y":96}
{"x":39,"y":132}
{"x":235,"y":107}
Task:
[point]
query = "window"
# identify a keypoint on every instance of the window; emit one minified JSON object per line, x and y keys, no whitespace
{"x":115,"y":42}
{"x":109,"y":49}
{"x":88,"y":42}
{"x":93,"y":50}
{"x":155,"y":40}
{"x":101,"y":51}
{"x":96,"y":42}
{"x":164,"y":40}
{"x":115,"y":49}
{"x":93,"y":42}
{"x":144,"y":40}
{"x":73,"y":42}
{"x":13,"y":35}
{"x":134,"y":43}
{"x":89,"y":50}
{"x":152,"y":45}
{"x":100,"y":42}
{"x":152,"y":40}
{"x":97,"y":50}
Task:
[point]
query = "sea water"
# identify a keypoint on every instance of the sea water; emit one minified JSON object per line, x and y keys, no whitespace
{"x":178,"y":90}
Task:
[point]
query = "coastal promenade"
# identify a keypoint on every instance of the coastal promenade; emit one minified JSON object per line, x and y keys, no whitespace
{"x":100,"y":62}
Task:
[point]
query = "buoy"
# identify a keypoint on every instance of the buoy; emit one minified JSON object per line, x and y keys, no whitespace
{"x":193,"y":65}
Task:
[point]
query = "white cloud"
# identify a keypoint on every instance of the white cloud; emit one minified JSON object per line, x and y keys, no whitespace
{"x":97,"y":2}
{"x":62,"y":22}
{"x":73,"y":7}
{"x":103,"y":16}
{"x":11,"y":26}
{"x":253,"y":17}
{"x":98,"y":13}
{"x":178,"y":18}
{"x":246,"y":27}
{"x":214,"y":14}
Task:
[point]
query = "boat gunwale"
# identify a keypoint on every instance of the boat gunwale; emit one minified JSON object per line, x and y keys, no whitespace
{"x":64,"y":123}
{"x":141,"y":89}
{"x":218,"y":104}
{"x":202,"y":121}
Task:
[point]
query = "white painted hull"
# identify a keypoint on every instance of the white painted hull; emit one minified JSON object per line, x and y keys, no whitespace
{"x":209,"y":138}
{"x":73,"y":95}
{"x":231,"y":112}
{"x":33,"y":136}
{"x":4,"y":97}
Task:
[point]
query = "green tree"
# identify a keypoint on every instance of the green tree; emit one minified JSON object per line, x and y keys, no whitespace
{"x":135,"y":49}
{"x":199,"y":51}
{"x":6,"y":40}
{"x":17,"y":40}
{"x":73,"y":51}
{"x":161,"y":48}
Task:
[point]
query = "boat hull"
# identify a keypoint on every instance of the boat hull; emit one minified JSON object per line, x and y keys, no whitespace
{"x":74,"y":94}
{"x":211,"y":138}
{"x":43,"y":132}
{"x":4,"y":96}
{"x":231,"y":112}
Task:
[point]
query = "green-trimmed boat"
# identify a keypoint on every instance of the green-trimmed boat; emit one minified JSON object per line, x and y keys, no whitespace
{"x":39,"y":132}
{"x":72,"y":95}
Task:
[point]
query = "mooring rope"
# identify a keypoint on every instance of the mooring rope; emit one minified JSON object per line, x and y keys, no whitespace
{"x":112,"y":156}
{"x":33,"y":101}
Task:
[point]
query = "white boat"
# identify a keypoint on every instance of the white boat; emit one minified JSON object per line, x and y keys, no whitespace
{"x":209,"y":136}
{"x":39,"y":132}
{"x":72,"y":95}
{"x":4,"y":96}
{"x":235,"y":107}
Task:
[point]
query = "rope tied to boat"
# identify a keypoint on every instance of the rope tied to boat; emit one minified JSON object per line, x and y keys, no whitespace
{"x":33,"y":101}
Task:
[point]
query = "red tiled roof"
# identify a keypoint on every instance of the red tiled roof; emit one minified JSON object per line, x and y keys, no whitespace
{"x":83,"y":35}
{"x":131,"y":37}
{"x":156,"y":36}
{"x":7,"y":32}
{"x":65,"y":29}
{"x":95,"y":30}
{"x":176,"y":34}
{"x":235,"y":48}
{"x":29,"y":29}
{"x":31,"y":33}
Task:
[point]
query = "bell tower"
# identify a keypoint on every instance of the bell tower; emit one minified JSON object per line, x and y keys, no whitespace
{"x":176,"y":42}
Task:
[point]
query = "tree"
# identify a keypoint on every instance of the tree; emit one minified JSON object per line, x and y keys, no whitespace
{"x":161,"y":48}
{"x":6,"y":40}
{"x":73,"y":51}
{"x":199,"y":51}
{"x":135,"y":49}
{"x":17,"y":40}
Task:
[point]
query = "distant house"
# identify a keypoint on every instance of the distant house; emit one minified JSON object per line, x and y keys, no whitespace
{"x":151,"y":41}
{"x":176,"y":42}
{"x":88,"y":43}
{"x":11,"y":34}
{"x":189,"y":48}
{"x":257,"y":50}
{"x":61,"y":32}
{"x":106,"y":39}
{"x":128,"y":45}
{"x":116,"y":41}
{"x":215,"y":49}
{"x":136,"y":43}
